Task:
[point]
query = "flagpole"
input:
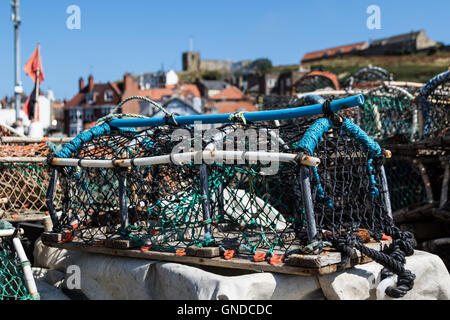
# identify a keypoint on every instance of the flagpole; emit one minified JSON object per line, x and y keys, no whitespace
{"x":38,"y":71}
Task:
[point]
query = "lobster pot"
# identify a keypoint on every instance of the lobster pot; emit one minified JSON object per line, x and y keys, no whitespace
{"x":22,"y":188}
{"x":250,"y":184}
{"x":407,"y":183}
{"x":434,"y":102}
{"x":24,"y":176}
{"x":388,"y":115}
{"x":245,"y":204}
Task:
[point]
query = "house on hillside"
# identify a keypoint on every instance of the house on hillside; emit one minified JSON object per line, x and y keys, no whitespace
{"x":178,"y":107}
{"x":279,"y":83}
{"x":95,"y":100}
{"x":209,"y":88}
{"x":230,"y":93}
{"x":188,"y":93}
{"x":335,"y":52}
{"x":152,"y":80}
{"x":400,"y":44}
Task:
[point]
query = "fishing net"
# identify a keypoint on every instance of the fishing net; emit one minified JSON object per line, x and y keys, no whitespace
{"x":368,"y":76}
{"x":241,"y":201}
{"x":407,"y":187}
{"x":317,"y":80}
{"x":388,"y":115}
{"x":6,"y":131}
{"x":12,"y":283}
{"x":23,"y":181}
{"x":434,"y":101}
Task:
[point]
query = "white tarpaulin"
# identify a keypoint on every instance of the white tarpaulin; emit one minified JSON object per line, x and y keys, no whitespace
{"x":109,"y":277}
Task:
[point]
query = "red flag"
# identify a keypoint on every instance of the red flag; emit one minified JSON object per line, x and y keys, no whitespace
{"x":31,"y":106}
{"x":33,"y":64}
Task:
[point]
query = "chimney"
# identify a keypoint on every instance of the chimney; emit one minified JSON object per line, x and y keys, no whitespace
{"x":91,"y":83}
{"x":127,"y":81}
{"x":81,"y":84}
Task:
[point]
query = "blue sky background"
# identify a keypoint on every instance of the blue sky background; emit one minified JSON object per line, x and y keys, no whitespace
{"x":139,"y":36}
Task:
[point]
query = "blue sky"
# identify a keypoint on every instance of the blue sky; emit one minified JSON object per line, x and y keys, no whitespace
{"x":139,"y":36}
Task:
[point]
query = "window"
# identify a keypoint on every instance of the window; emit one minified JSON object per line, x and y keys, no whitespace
{"x":271,"y":83}
{"x":106,"y":111}
{"x":89,"y":115}
{"x":75,"y":115}
{"x":288,"y":82}
{"x":109,"y":95}
{"x":74,"y":131}
{"x":89,"y":98}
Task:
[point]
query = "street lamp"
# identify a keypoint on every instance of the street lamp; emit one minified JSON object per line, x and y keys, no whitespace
{"x":15,"y":17}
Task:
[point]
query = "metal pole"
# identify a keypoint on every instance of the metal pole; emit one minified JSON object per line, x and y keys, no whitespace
{"x":387,"y":199}
{"x":18,"y":84}
{"x":444,"y":191}
{"x":49,"y":200}
{"x":308,"y":203}
{"x":38,"y":73}
{"x":205,"y":194}
{"x":220,"y":200}
{"x":123,"y":206}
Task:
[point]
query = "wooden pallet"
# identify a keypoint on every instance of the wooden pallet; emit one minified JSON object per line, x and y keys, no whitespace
{"x":296,"y":264}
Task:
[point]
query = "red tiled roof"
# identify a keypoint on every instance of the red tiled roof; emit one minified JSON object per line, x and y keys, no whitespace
{"x":230,"y":93}
{"x":79,"y":98}
{"x":75,"y":101}
{"x":183,"y":90}
{"x":232,"y":106}
{"x":332,"y":51}
{"x":190,"y":88}
{"x":156,"y":93}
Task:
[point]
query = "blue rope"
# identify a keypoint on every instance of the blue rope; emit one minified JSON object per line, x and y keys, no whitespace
{"x":82,"y":138}
{"x":310,"y":140}
{"x":314,"y":135}
{"x":369,"y":144}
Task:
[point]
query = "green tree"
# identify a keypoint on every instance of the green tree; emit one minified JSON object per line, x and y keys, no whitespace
{"x":263,"y":65}
{"x":211,"y":75}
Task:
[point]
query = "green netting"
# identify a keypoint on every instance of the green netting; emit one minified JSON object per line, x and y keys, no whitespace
{"x":12,"y":285}
{"x":406,"y":185}
{"x":389,"y":114}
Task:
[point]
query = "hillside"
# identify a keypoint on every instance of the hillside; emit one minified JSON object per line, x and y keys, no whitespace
{"x":418,"y":67}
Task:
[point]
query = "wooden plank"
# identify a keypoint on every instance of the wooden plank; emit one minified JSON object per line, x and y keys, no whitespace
{"x":208,"y":252}
{"x":49,"y":237}
{"x":241,"y":262}
{"x":26,"y":218}
{"x":328,"y":258}
{"x":119,"y":244}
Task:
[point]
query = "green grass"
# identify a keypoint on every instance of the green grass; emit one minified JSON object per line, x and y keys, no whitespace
{"x":418,"y":67}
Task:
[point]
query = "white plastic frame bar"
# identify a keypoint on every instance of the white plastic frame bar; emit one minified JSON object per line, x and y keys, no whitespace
{"x":182,"y":158}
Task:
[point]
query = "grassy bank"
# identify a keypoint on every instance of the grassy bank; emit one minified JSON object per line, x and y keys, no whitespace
{"x":413,"y":67}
